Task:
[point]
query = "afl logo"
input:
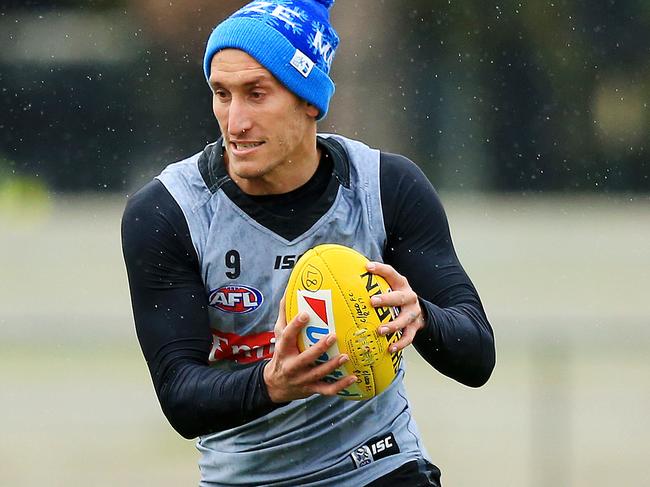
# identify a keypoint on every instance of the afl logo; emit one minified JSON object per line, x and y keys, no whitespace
{"x":236,"y":299}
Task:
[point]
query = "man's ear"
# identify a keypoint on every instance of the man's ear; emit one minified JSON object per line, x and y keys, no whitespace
{"x":312,"y":111}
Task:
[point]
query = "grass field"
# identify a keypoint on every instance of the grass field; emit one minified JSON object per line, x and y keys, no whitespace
{"x":565,"y":281}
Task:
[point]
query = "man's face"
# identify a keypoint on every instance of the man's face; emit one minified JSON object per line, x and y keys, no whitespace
{"x":269,"y":133}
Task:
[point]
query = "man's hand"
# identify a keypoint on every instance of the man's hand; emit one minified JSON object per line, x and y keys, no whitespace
{"x":291,"y":374}
{"x":410,"y":319}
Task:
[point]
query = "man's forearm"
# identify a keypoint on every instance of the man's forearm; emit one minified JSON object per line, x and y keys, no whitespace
{"x":198,"y":399}
{"x":458,"y":342}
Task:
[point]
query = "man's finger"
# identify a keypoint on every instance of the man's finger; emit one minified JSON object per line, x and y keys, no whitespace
{"x":395,"y":279}
{"x":311,"y":354}
{"x":398,"y":323}
{"x":281,"y":322}
{"x":331,"y":389}
{"x":323,"y":369}
{"x":393,"y":298}
{"x":289,"y":339}
{"x":404,"y":320}
{"x":408,"y":335}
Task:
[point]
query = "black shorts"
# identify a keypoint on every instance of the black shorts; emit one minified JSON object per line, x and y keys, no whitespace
{"x":411,"y":474}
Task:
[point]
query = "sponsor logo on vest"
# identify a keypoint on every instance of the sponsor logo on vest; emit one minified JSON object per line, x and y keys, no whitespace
{"x":374,"y":449}
{"x":236,"y":299}
{"x":243,"y":349}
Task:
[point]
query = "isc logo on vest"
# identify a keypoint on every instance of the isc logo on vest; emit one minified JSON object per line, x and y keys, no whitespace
{"x":236,"y":299}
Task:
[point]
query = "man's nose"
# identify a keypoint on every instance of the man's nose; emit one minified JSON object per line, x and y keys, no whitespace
{"x":239,"y":117}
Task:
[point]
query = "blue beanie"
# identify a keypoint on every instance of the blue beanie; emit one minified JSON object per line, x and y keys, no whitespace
{"x":293,"y":39}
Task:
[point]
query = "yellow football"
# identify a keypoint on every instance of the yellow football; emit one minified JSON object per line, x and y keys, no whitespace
{"x":331,"y":284}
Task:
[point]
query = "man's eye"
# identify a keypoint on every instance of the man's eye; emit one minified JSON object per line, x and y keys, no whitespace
{"x":256,"y":95}
{"x":221,"y":94}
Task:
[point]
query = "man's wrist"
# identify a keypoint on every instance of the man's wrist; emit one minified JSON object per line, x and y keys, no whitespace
{"x":267,"y":389}
{"x":265,"y":381}
{"x":424,"y":312}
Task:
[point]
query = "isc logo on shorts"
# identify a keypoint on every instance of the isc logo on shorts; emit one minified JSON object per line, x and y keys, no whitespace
{"x":374,"y":449}
{"x":236,"y":299}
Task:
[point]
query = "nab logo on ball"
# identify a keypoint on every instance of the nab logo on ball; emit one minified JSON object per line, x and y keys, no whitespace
{"x":318,"y":306}
{"x":236,"y":299}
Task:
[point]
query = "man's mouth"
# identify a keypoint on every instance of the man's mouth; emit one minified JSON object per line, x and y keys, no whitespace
{"x":242,"y":146}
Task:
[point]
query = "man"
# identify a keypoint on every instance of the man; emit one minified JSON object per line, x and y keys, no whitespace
{"x":209,"y":245}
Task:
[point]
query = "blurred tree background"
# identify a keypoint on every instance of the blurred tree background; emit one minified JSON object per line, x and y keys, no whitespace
{"x":495,"y":96}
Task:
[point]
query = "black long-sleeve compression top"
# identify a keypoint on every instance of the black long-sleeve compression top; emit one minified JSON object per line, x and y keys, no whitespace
{"x":170,"y":302}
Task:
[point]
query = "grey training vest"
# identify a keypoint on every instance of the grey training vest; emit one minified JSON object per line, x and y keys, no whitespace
{"x":318,"y":441}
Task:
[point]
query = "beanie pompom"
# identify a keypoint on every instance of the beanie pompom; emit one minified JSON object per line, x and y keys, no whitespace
{"x":327,"y":3}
